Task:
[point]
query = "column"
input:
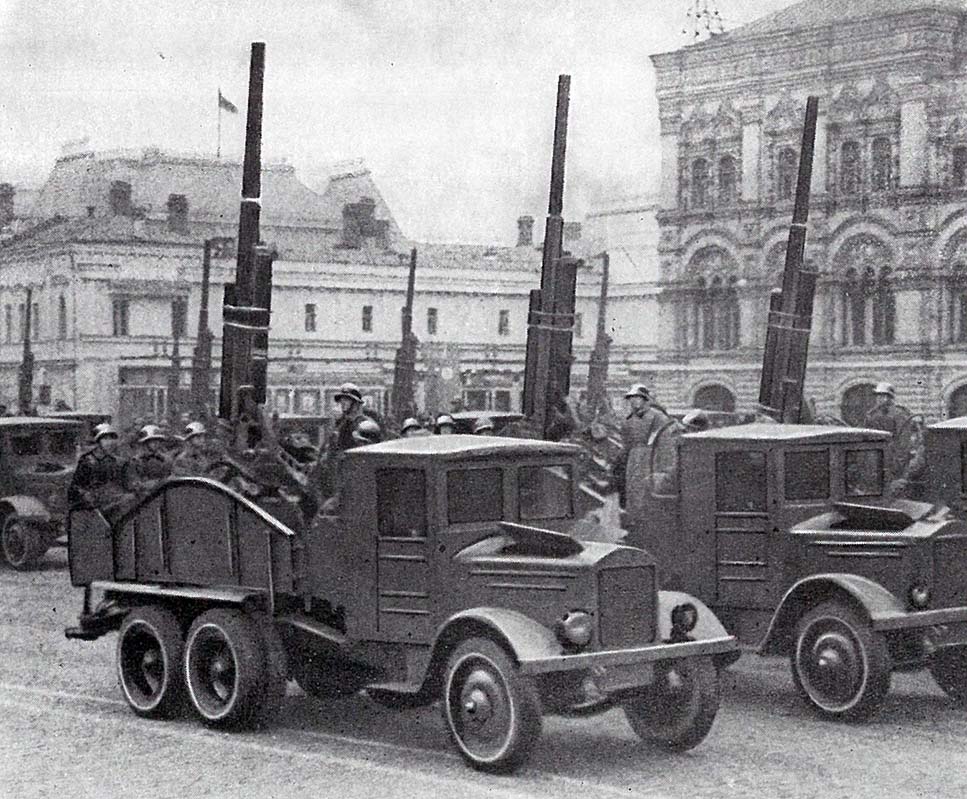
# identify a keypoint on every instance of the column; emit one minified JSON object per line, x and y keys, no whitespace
{"x":669,"y":171}
{"x":913,"y":142}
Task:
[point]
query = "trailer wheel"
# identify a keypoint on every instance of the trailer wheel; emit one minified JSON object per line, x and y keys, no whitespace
{"x":839,"y":664}
{"x":23,"y":544}
{"x":949,"y":670}
{"x":149,"y":661}
{"x":492,"y":712}
{"x":677,"y":710}
{"x":225,"y":667}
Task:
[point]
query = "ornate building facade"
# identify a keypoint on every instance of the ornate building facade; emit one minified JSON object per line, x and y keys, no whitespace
{"x":888,"y":216}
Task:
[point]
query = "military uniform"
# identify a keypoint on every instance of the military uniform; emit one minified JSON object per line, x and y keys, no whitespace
{"x":101,"y":481}
{"x":191,"y":462}
{"x":148,"y":469}
{"x":886,"y":416}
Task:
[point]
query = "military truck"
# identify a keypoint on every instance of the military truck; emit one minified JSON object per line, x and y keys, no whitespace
{"x":37,"y":458}
{"x":442,"y":577}
{"x":784,"y":532}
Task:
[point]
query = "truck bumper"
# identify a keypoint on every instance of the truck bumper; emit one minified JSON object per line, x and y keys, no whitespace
{"x":941,"y":628}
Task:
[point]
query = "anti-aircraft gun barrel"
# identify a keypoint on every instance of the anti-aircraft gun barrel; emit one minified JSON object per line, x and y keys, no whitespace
{"x":25,"y":381}
{"x":790,"y":310}
{"x":405,"y":366}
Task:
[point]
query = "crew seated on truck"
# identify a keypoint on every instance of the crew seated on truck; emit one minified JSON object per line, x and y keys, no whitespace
{"x":151,"y":465}
{"x":101,"y":479}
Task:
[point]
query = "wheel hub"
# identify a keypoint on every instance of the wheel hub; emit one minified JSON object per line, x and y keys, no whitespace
{"x":14,"y":545}
{"x":833,"y":669}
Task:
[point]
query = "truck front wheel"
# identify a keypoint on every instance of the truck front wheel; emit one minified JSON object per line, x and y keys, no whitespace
{"x":677,"y":710}
{"x":949,"y":670}
{"x":23,"y":544}
{"x":149,"y":654}
{"x":225,"y":666}
{"x":839,"y":664}
{"x":492,"y":712}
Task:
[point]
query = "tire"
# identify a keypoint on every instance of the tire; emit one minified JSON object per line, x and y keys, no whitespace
{"x":839,"y":664}
{"x":492,"y":712}
{"x":327,"y":678}
{"x":225,"y":669}
{"x":276,"y":676}
{"x":150,"y":649}
{"x":23,"y":544}
{"x":949,"y":671}
{"x":678,"y":709}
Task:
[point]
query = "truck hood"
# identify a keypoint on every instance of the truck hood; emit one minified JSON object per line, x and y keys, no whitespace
{"x":916,"y":519}
{"x":535,"y":544}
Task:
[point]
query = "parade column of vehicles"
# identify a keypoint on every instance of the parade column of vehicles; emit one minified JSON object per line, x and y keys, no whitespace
{"x":784,"y":531}
{"x":443,"y":575}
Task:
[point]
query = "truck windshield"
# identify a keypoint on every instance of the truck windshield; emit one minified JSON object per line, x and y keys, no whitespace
{"x":807,"y":475}
{"x":740,"y":482}
{"x":544,"y":492}
{"x":62,"y":442}
{"x":401,"y":503}
{"x":26,"y":444}
{"x":475,"y":495}
{"x":864,"y":473}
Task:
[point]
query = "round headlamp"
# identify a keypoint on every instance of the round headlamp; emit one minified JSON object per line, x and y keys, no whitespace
{"x":919,"y":596}
{"x":575,"y":628}
{"x":684,"y":618}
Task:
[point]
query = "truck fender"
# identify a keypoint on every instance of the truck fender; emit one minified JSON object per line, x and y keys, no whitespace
{"x":707,"y":627}
{"x":26,"y":507}
{"x":869,"y":597}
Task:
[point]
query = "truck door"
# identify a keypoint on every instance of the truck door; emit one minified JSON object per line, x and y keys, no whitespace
{"x":743,"y":558}
{"x":404,"y":573}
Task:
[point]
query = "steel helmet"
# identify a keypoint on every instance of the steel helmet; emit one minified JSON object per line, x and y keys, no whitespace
{"x":885,"y":388}
{"x":482,"y":425}
{"x":367,"y":432}
{"x":410,"y":424}
{"x":638,"y":390}
{"x":349,"y":391}
{"x":696,"y":420}
{"x":444,"y":419}
{"x":104,"y":429}
{"x":194,"y":429}
{"x":150,"y":432}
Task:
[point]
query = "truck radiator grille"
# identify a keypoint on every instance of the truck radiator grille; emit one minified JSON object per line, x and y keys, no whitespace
{"x":950,"y":571}
{"x":626,"y":606}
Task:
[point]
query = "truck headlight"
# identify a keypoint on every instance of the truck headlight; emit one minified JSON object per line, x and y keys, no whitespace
{"x":919,"y":595}
{"x":684,"y":619}
{"x":575,"y":628}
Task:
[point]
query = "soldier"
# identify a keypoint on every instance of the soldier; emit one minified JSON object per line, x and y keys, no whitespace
{"x":885,"y":415}
{"x":150,"y":466}
{"x":194,"y":458}
{"x":695,"y":421}
{"x":445,"y":425}
{"x":412,"y":428}
{"x":632,"y":471}
{"x":484,"y":426}
{"x":100,"y":480}
{"x":367,"y":432}
{"x":350,"y":401}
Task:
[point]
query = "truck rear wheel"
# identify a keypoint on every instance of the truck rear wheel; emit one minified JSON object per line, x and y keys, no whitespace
{"x":23,"y":544}
{"x":149,"y":662}
{"x":225,"y":666}
{"x":839,"y":664}
{"x":949,"y":671}
{"x":677,"y":710}
{"x":492,"y":712}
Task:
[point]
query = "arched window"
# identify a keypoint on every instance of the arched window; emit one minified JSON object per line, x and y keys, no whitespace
{"x":714,"y":398}
{"x":957,"y":302}
{"x":958,"y":172}
{"x":854,"y":306}
{"x":868,"y":305}
{"x":727,"y":179}
{"x":714,"y":318}
{"x":708,"y":313}
{"x":884,"y":309}
{"x":61,"y":318}
{"x":786,"y":174}
{"x":957,"y":404}
{"x":699,"y":183}
{"x":857,"y":402}
{"x":882,"y":172}
{"x":849,"y":167}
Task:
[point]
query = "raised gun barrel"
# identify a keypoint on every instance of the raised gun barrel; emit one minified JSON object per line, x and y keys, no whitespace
{"x":405,"y":366}
{"x":791,"y":309}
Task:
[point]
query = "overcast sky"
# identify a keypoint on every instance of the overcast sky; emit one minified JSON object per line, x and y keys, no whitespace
{"x":451,"y":104}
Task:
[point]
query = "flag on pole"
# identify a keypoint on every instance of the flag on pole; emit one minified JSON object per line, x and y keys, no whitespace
{"x":223,"y":102}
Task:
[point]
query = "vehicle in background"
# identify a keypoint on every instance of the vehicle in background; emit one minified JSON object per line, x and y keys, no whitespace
{"x":37,"y":460}
{"x":465,"y":420}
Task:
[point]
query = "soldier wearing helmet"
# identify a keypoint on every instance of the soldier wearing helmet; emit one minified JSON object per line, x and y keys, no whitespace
{"x":632,"y":469}
{"x":366,"y":432}
{"x":101,"y":479}
{"x":412,"y":428}
{"x":885,"y":415}
{"x":150,"y":465}
{"x":445,"y":425}
{"x":194,"y":457}
{"x":350,"y":400}
{"x":484,"y":426}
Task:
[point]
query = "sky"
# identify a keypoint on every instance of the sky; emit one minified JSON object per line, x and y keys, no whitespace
{"x":450,"y":104}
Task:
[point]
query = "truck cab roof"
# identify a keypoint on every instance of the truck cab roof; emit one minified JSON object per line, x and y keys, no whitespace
{"x":767,"y":433}
{"x":38,"y":423}
{"x":462,"y":447}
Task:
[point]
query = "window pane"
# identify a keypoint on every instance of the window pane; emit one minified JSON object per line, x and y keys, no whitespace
{"x":807,"y":475}
{"x":401,"y":503}
{"x":62,"y":443}
{"x":25,"y":445}
{"x":864,"y":473}
{"x":475,"y":495}
{"x":475,"y":399}
{"x":544,"y":492}
{"x":502,"y":401}
{"x":740,"y":482}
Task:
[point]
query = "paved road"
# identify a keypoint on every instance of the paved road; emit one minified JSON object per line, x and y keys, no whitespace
{"x":66,"y":732}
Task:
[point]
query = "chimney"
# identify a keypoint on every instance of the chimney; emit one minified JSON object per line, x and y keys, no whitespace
{"x":525,"y":231}
{"x":177,"y":213}
{"x":6,"y":204}
{"x":120,"y":198}
{"x":572,"y":232}
{"x":358,"y":222}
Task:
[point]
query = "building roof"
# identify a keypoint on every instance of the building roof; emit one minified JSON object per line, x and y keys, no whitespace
{"x":821,"y":13}
{"x":454,"y":447}
{"x":806,"y":433}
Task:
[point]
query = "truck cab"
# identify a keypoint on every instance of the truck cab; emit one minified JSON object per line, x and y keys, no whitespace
{"x":37,"y":459}
{"x":769,"y":522}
